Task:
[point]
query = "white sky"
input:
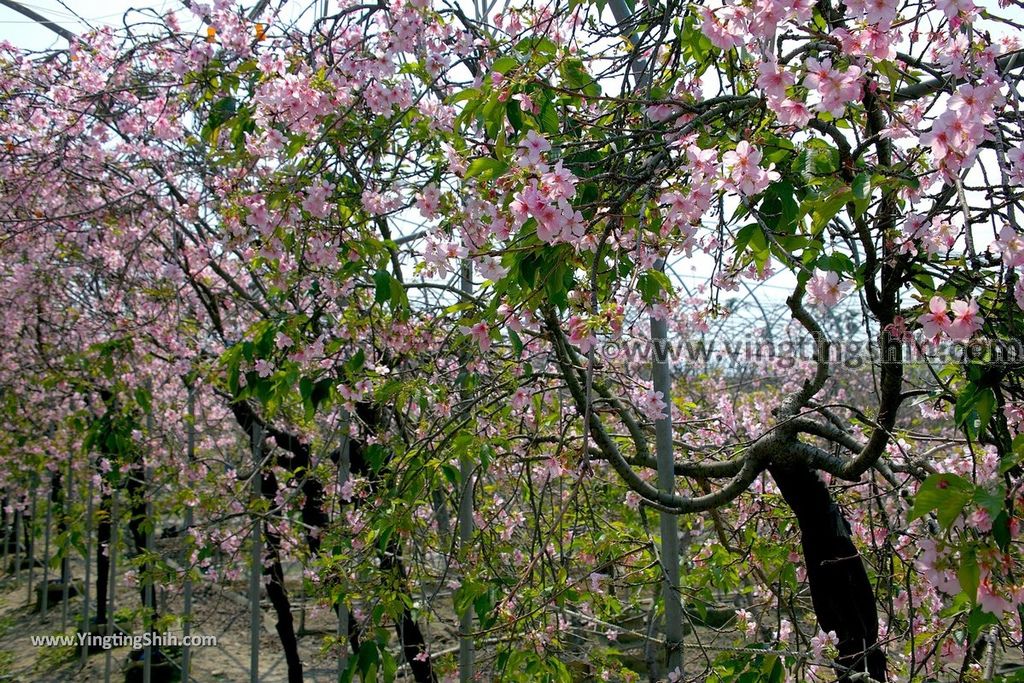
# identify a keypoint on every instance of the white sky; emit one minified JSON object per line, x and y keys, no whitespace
{"x":27,"y":34}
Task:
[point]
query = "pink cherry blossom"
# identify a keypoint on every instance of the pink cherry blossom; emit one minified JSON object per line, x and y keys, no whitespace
{"x":428,"y":201}
{"x":481,"y":332}
{"x":263,"y":368}
{"x":991,"y":601}
{"x":743,"y":172}
{"x":1010,"y":247}
{"x":1015,"y":157}
{"x":824,"y":289}
{"x":724,"y":27}
{"x":966,"y":320}
{"x":773,"y":80}
{"x":652,"y":405}
{"x":935,"y":322}
{"x":531,"y":150}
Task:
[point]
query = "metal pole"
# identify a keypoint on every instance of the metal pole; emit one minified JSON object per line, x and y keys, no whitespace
{"x":344,"y":468}
{"x":662,"y":376}
{"x":45,"y":597}
{"x":112,"y":553}
{"x":17,"y":555}
{"x":256,"y":570}
{"x":7,"y":533}
{"x":65,"y":563}
{"x":186,"y":628}
{"x":88,"y":561}
{"x":466,"y":653}
{"x":147,"y":650}
{"x":30,"y":537}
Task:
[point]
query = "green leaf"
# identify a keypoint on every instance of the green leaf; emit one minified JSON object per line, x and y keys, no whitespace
{"x":575,"y":77}
{"x":515,"y":115}
{"x":504,"y":64}
{"x":382,"y":291}
{"x":969,"y":574}
{"x":486,"y":168}
{"x":978,"y":620}
{"x":548,"y":118}
{"x":862,"y":186}
{"x":825,"y":211}
{"x":517,"y":343}
{"x":651,"y":283}
{"x":985,"y":406}
{"x":946,"y":494}
{"x":356,"y":362}
{"x":1001,"y":531}
{"x":321,"y":390}
{"x":861,"y":193}
{"x":743,"y":237}
{"x":991,"y":501}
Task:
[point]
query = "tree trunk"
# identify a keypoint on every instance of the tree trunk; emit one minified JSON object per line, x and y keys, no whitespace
{"x":314,"y":516}
{"x":410,"y":635}
{"x":276,"y":591}
{"x":843,"y":598}
{"x":137,"y":493}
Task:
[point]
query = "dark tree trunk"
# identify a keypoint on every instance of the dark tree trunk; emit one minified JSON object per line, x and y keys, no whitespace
{"x":843,"y":598}
{"x":314,"y":516}
{"x":137,"y":499}
{"x":277,"y":592}
{"x":410,"y":635}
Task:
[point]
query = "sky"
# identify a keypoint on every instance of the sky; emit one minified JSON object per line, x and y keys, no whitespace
{"x":27,"y":34}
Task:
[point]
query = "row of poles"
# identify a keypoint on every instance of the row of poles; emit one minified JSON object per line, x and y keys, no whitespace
{"x":21,"y":557}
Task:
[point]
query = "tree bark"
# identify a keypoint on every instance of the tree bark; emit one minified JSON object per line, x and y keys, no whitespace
{"x":841,"y":592}
{"x":313,"y":515}
{"x":277,"y":592}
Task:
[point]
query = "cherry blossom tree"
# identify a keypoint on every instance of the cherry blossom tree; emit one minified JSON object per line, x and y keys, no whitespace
{"x":418,"y":252}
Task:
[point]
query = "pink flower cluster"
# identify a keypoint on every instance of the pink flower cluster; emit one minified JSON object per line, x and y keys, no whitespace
{"x":652,"y":405}
{"x":743,"y":172}
{"x":956,"y":134}
{"x":686,"y":207}
{"x":729,"y":26}
{"x":1010,"y":247}
{"x":774,"y":81}
{"x":835,"y":88}
{"x":936,"y":322}
{"x":824,"y":289}
{"x":547,"y":201}
{"x":937,"y":236}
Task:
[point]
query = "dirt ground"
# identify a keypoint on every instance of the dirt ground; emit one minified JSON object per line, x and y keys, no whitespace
{"x":217,"y":611}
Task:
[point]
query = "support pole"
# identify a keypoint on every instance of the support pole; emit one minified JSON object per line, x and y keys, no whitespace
{"x":256,"y":570}
{"x":17,"y":554}
{"x":662,"y":375}
{"x":44,"y":602}
{"x":115,"y":512}
{"x":186,"y":626}
{"x":147,"y":567}
{"x":8,"y":533}
{"x":466,"y":652}
{"x":89,"y":510}
{"x":30,"y":537}
{"x":65,"y":561}
{"x":344,"y":470}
